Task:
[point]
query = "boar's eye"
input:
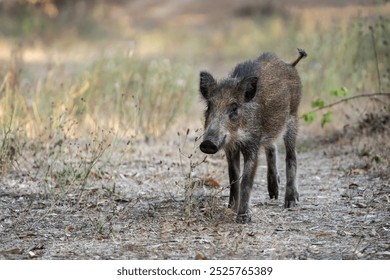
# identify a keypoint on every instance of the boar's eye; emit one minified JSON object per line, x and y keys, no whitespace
{"x":233,"y":111}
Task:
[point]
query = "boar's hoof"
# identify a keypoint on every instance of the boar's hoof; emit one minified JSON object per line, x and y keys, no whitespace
{"x":291,"y":199}
{"x":273,"y":195}
{"x":243,"y":219}
{"x":290,"y":203}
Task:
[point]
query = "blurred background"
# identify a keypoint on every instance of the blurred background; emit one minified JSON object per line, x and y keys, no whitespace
{"x":132,"y":66}
{"x":100,"y":121}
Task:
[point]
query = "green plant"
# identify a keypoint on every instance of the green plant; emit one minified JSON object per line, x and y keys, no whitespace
{"x":373,"y":52}
{"x":319,"y":104}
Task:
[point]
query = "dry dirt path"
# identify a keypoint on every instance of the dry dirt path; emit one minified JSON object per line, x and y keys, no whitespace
{"x":343,"y":212}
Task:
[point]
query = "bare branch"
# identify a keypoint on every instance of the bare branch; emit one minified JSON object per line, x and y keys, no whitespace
{"x":367,"y":95}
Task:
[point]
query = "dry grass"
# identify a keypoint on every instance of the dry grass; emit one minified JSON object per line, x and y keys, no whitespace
{"x":124,"y":87}
{"x":115,"y":91}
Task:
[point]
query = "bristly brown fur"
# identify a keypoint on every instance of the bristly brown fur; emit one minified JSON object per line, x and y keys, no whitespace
{"x":249,"y":109}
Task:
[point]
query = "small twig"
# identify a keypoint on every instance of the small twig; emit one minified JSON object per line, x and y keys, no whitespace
{"x":367,"y":95}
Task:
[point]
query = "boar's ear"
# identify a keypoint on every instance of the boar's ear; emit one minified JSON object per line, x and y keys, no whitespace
{"x":206,"y":83}
{"x":249,"y":86}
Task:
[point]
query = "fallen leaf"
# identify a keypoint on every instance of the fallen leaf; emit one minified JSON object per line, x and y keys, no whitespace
{"x":26,"y":234}
{"x":200,"y":256}
{"x":323,"y":234}
{"x":70,"y":228}
{"x":35,"y":254}
{"x":93,"y":191}
{"x":209,"y":182}
{"x":96,"y":175}
{"x":32,"y":254}
{"x":15,"y":251}
{"x":353,"y":186}
{"x":357,"y":171}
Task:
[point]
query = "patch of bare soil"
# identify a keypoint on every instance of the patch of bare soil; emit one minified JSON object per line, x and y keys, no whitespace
{"x":160,"y":201}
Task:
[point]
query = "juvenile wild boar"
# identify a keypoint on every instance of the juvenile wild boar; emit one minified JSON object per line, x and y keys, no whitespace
{"x":249,"y":109}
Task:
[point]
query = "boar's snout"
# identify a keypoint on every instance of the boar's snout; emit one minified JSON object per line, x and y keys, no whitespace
{"x":208,"y":147}
{"x":211,"y":145}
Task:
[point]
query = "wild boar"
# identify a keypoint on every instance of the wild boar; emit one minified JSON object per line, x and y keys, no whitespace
{"x":255,"y":104}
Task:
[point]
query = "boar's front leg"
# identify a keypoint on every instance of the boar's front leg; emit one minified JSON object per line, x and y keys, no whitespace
{"x":233,"y":159}
{"x":250,"y":166}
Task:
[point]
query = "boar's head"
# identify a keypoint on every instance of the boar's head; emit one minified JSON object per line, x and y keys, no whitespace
{"x":229,"y":105}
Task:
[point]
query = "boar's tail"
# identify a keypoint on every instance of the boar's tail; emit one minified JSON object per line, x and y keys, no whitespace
{"x":302,"y":54}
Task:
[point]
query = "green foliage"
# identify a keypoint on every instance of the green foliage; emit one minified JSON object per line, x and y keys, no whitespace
{"x":309,"y":117}
{"x":377,"y":158}
{"x":366,"y":43}
{"x":326,"y":118}
{"x":318,"y":103}
{"x":341,"y":92}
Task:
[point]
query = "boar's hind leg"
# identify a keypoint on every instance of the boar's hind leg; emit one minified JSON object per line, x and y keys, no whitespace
{"x":273,"y":178}
{"x":233,"y":159}
{"x":292,"y":195}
